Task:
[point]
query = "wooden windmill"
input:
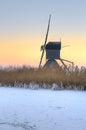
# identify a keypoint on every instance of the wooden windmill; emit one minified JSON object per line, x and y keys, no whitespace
{"x":52,"y":51}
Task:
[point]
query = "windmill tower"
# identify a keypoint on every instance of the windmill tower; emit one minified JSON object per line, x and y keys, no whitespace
{"x":52,"y":51}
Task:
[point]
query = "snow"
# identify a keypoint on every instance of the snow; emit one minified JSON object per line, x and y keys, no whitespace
{"x":42,"y":109}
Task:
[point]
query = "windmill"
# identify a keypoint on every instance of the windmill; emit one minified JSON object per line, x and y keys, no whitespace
{"x":52,"y":51}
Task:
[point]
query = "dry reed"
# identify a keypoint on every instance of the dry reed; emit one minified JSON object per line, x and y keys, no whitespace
{"x":76,"y":77}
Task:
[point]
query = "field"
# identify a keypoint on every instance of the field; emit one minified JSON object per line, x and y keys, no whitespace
{"x":33,"y":108}
{"x":75,"y":78}
{"x":42,"y":109}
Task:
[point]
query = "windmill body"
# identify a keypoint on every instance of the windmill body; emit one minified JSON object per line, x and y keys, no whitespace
{"x":52,"y":51}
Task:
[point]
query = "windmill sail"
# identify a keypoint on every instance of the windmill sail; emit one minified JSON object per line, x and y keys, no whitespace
{"x":46,"y":37}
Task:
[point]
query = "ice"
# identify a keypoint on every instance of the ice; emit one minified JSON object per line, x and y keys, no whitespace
{"x":42,"y":109}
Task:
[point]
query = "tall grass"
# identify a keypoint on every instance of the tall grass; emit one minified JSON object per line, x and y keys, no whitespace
{"x":76,"y":76}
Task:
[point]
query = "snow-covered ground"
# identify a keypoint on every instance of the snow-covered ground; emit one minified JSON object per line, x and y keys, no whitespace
{"x":26,"y":109}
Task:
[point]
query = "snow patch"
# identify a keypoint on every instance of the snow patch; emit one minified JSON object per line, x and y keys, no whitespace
{"x":42,"y":109}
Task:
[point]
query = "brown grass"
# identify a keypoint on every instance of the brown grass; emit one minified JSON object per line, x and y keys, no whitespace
{"x":76,"y":77}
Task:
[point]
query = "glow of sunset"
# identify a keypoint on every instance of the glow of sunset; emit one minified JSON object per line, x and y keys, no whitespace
{"x":25,"y":51}
{"x":23,"y":27}
{"x":19,"y":51}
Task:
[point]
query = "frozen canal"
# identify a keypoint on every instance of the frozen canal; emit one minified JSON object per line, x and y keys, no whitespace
{"x":26,"y":109}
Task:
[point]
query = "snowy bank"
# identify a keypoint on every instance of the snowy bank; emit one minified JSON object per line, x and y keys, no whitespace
{"x":52,"y":86}
{"x":26,"y":109}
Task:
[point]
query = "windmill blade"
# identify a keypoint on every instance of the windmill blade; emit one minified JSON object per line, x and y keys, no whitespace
{"x":41,"y":58}
{"x":46,"y":37}
{"x":65,"y":46}
{"x":47,"y":30}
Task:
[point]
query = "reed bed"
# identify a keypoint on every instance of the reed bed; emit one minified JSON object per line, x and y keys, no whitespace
{"x":75,"y":77}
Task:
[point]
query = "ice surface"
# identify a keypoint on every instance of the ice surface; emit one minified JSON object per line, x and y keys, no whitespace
{"x":42,"y":109}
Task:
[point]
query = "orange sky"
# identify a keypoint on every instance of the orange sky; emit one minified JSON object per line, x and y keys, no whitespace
{"x":26,"y":50}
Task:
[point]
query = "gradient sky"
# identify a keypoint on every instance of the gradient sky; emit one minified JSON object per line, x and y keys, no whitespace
{"x":23,"y":25}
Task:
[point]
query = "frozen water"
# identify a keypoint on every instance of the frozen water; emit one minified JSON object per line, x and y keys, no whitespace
{"x":42,"y":109}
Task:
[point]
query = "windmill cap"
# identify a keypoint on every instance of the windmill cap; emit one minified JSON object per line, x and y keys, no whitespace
{"x":53,"y":46}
